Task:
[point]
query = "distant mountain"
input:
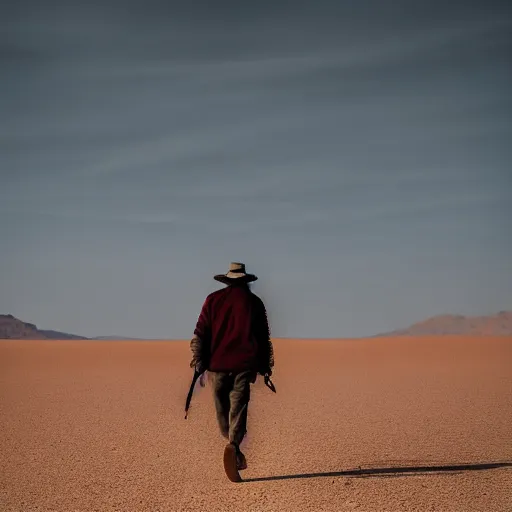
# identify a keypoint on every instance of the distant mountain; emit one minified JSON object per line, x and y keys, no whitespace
{"x":13,"y":328}
{"x":492,"y":325}
{"x":56,"y":335}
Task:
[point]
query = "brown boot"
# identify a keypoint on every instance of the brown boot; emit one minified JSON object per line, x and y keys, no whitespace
{"x":231,"y":463}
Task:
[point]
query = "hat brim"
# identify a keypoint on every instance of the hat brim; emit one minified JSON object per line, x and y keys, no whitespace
{"x":246,"y":278}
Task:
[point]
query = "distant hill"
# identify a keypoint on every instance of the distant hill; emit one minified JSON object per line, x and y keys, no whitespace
{"x":493,"y":325}
{"x":13,"y":328}
{"x":56,"y":335}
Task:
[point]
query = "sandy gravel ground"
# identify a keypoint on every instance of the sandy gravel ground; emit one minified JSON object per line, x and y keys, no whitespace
{"x":367,"y":425}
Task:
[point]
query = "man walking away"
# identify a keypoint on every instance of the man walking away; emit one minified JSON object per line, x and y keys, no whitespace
{"x":232,"y":341}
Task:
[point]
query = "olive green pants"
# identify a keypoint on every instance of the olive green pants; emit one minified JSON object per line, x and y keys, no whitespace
{"x":232,"y":393}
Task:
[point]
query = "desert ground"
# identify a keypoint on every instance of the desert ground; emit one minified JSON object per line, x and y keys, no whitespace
{"x":416,"y":424}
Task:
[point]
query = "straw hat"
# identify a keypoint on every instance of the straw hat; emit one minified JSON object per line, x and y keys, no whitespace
{"x":236,"y":274}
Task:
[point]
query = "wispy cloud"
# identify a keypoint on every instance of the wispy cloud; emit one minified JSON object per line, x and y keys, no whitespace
{"x":288,"y":136}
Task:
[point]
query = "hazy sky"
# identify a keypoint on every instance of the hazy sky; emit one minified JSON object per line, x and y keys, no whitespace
{"x":355,"y":155}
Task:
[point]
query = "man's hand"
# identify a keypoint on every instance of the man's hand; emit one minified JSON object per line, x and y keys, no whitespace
{"x":200,"y":368}
{"x":198,"y":362}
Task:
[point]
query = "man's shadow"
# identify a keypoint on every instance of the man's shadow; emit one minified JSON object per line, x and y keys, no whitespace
{"x":390,"y":472}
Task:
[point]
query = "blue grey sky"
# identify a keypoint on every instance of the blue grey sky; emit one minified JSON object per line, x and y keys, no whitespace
{"x":355,"y":155}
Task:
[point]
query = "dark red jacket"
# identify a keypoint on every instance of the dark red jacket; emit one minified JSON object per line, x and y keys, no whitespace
{"x":234,"y":332}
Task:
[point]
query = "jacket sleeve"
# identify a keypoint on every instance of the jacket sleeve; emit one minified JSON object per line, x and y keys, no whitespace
{"x":265,"y":348}
{"x":200,"y":343}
